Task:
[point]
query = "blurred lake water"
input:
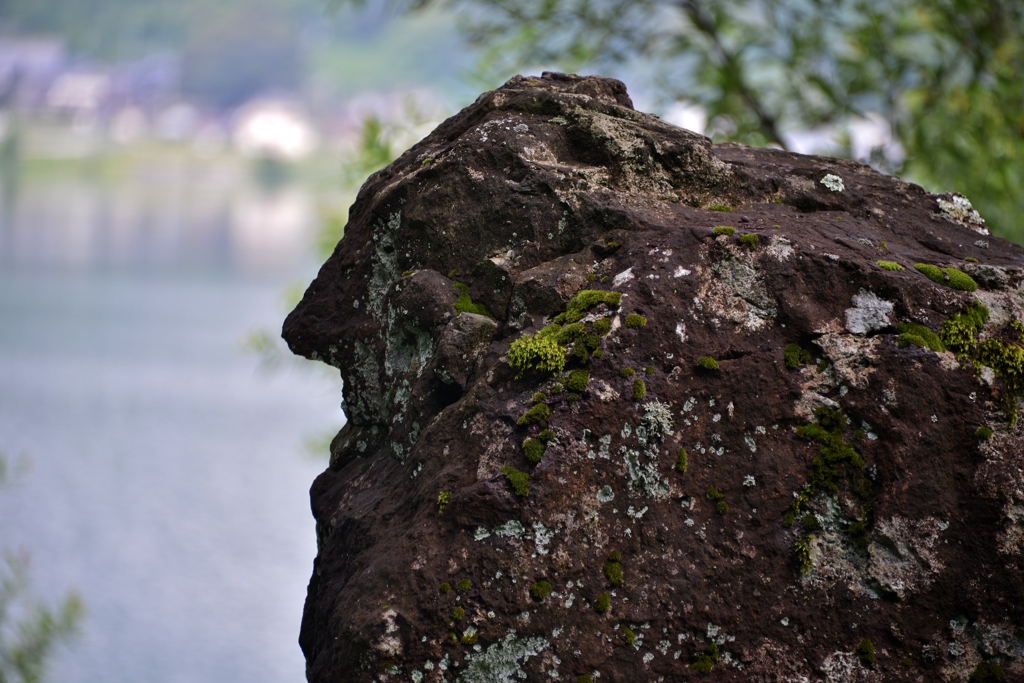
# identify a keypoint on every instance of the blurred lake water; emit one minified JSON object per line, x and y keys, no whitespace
{"x":168,"y":481}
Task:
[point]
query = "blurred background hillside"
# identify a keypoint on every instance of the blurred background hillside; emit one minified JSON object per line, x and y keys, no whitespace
{"x":173,"y":172}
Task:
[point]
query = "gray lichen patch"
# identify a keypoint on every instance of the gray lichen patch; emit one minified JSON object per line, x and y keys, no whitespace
{"x":732,"y":289}
{"x":868,"y":314}
{"x":502,"y":662}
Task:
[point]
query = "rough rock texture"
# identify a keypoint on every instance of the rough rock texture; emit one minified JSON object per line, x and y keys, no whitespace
{"x":842,"y":498}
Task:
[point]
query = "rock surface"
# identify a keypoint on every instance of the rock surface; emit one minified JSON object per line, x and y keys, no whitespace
{"x":842,"y":498}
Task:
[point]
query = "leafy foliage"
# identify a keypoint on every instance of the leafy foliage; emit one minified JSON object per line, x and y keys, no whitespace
{"x":30,"y":630}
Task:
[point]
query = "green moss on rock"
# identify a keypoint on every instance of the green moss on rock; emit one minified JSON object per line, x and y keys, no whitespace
{"x":682,"y":461}
{"x":578,"y":380}
{"x":465,"y":305}
{"x":707,"y":363}
{"x":603,"y":603}
{"x":889,"y":265}
{"x":518,"y":481}
{"x":866,"y":651}
{"x":720,"y":230}
{"x":635,"y":321}
{"x":540,"y":590}
{"x":584,"y":301}
{"x":639,"y":389}
{"x":533,"y":449}
{"x":794,"y":356}
{"x":539,"y":413}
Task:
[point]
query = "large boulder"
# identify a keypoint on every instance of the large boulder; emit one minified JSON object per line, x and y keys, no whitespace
{"x":767,"y":447}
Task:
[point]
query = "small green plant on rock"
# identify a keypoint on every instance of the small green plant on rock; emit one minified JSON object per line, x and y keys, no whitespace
{"x":635,"y":321}
{"x":603,"y":603}
{"x":788,"y":520}
{"x":465,"y":305}
{"x":919,"y":336}
{"x":639,"y":389}
{"x":627,"y":372}
{"x":866,"y":652}
{"x":584,"y":678}
{"x":445,"y":587}
{"x":983,"y":433}
{"x":889,"y":265}
{"x":987,"y":672}
{"x":540,"y":352}
{"x":705,"y":660}
{"x":540,"y":590}
{"x":540,"y":413}
{"x":795,"y":356}
{"x":519,"y":481}
{"x":613,"y":569}
{"x":649,"y":370}
{"x":533,"y":449}
{"x":707,"y":363}
{"x":749,"y":240}
{"x":682,"y":461}
{"x":720,"y":230}
{"x":458,"y":613}
{"x":959,"y":331}
{"x":950,"y":277}
{"x":539,"y":397}
{"x":630,"y":637}
{"x":803,"y":554}
{"x":720,"y":207}
{"x":584,"y":301}
{"x":464,"y":585}
{"x":578,"y":380}
{"x":602,"y":326}
{"x":443,"y":499}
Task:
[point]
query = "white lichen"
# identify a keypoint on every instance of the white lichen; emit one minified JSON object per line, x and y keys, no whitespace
{"x":957,"y":208}
{"x":833,"y":182}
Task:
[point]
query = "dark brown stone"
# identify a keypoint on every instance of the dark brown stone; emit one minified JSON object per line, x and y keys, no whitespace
{"x":525,"y":191}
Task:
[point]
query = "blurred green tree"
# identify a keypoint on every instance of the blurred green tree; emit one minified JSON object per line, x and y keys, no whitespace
{"x":943,"y":75}
{"x":29,"y":629}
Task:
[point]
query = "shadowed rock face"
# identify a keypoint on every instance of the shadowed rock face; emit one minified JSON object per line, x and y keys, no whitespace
{"x":842,"y":497}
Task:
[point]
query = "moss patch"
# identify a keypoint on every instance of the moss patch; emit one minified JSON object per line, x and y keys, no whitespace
{"x":682,"y":461}
{"x":920,"y":336}
{"x":540,"y":352}
{"x":749,"y":240}
{"x":518,"y":481}
{"x":443,"y":499}
{"x":533,"y":449}
{"x":584,"y":301}
{"x":889,"y":265}
{"x":719,"y":207}
{"x":539,"y":413}
{"x":707,"y":363}
{"x":950,"y":277}
{"x":540,"y":590}
{"x":704,"y":661}
{"x":866,"y":651}
{"x":720,"y":230}
{"x":635,"y":321}
{"x":578,"y":380}
{"x":613,"y":569}
{"x":465,"y":305}
{"x":639,"y":389}
{"x":794,"y":356}
{"x":603,"y":603}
